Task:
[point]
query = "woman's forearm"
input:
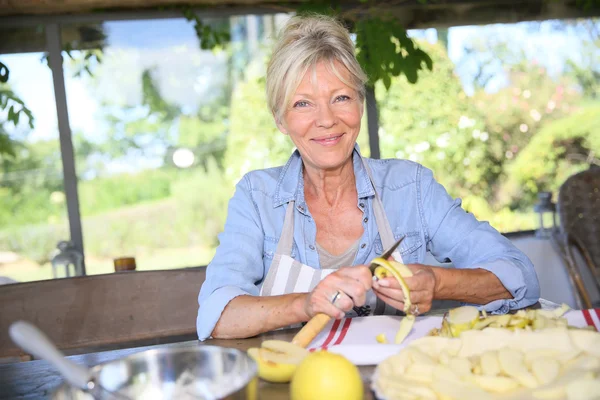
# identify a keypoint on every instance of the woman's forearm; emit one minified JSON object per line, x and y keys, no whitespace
{"x":247,"y":316}
{"x":477,"y":286}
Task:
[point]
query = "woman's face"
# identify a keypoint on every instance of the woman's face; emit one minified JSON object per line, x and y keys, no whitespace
{"x":323,"y":119}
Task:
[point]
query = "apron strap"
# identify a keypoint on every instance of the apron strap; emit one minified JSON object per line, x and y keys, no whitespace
{"x":387,"y":238}
{"x":286,"y":240}
{"x":383,"y":224}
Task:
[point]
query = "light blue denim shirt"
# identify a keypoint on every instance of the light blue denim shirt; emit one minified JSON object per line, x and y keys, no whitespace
{"x":416,"y":206}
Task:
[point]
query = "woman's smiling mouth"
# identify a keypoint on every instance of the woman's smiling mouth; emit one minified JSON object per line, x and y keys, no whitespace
{"x":329,"y":140}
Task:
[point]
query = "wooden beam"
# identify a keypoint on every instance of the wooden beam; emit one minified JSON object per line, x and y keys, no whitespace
{"x":412,"y":13}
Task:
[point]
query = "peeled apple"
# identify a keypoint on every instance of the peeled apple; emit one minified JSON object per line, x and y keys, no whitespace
{"x":462,"y":319}
{"x":399,"y":271}
{"x":466,"y":318}
{"x":494,"y":364}
{"x":277,"y":360}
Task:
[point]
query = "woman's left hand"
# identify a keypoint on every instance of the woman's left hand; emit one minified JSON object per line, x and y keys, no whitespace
{"x":422,"y":287}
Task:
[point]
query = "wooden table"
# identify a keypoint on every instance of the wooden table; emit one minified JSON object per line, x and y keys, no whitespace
{"x":38,"y":379}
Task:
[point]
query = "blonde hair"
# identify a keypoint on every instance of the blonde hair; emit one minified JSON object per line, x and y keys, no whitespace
{"x":305,"y":41}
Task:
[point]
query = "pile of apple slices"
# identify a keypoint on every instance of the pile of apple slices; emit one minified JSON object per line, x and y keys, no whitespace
{"x":495,"y":363}
{"x":466,"y":318}
{"x":277,"y":359}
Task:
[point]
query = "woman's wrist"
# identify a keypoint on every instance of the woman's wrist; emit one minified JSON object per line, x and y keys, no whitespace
{"x":439,"y":275}
{"x":298,"y":307}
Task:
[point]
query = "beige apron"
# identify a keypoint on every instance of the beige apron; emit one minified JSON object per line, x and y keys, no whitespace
{"x":287,"y":275}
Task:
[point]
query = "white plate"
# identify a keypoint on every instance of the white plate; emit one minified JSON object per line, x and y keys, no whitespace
{"x":368,"y":354}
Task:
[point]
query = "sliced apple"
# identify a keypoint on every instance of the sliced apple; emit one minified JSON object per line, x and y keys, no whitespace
{"x":462,"y":319}
{"x":271,"y":371}
{"x":277,"y":360}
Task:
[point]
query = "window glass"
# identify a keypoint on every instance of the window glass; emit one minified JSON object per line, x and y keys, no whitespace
{"x":509,"y":111}
{"x":33,"y":215}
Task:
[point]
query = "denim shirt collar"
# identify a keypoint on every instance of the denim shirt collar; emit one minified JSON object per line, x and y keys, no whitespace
{"x":290,"y":185}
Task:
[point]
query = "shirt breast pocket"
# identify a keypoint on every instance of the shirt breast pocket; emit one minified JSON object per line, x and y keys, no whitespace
{"x":409,"y":248}
{"x":270,"y":247}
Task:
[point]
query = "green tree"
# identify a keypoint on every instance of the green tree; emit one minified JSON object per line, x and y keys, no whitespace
{"x":434,"y":123}
{"x":558,"y":150}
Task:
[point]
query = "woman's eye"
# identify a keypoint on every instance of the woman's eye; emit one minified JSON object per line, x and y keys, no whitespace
{"x":342,"y":97}
{"x":301,"y":103}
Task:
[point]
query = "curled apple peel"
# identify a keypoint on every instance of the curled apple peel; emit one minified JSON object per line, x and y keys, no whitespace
{"x":385,"y":269}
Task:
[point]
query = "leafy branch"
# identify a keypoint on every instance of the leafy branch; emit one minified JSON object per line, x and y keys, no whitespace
{"x":16,"y":108}
{"x":384,"y":49}
{"x":210,"y":37}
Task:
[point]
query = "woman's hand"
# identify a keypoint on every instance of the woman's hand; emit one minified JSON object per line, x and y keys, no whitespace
{"x":352,"y":282}
{"x":422,"y":287}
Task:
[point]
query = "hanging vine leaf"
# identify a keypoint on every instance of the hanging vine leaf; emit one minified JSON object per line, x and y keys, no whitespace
{"x":3,"y":73}
{"x":210,"y":37}
{"x":16,"y":107}
{"x":386,"y":51}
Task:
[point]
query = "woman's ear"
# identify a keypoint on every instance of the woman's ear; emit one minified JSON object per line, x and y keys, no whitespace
{"x":280,"y":125}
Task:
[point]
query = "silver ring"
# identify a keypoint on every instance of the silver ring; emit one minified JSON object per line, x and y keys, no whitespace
{"x":335,"y":297}
{"x":416,"y":311}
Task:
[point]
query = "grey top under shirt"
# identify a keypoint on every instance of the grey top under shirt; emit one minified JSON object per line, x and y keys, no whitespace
{"x":329,"y":261}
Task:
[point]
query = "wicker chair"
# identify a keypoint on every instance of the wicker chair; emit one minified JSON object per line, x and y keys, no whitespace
{"x":579,"y":214}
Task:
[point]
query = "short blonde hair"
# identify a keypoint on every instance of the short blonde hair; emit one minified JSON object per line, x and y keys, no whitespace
{"x":305,"y":41}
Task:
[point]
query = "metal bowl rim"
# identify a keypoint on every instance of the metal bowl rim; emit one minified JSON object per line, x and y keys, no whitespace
{"x":94,"y":370}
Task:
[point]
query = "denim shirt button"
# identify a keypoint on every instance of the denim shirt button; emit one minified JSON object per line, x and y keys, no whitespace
{"x":362,"y":246}
{"x":311,"y":247}
{"x":366,"y":220}
{"x":361,"y":205}
{"x":301,"y":208}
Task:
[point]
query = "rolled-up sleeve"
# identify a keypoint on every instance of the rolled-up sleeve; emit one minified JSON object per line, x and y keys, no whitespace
{"x":456,"y":235}
{"x":237,"y":266}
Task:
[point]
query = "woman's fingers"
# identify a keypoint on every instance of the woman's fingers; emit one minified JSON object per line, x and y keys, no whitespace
{"x":353,"y":289}
{"x":360,"y":273}
{"x":351,"y":282}
{"x":421,"y":296}
{"x":392,"y":301}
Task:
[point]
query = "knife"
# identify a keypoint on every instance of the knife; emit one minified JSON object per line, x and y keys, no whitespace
{"x":316,"y":324}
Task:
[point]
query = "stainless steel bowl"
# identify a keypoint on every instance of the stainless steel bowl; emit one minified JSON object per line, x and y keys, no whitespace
{"x":202,"y":372}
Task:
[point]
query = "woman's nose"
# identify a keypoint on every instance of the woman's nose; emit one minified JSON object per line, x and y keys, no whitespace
{"x":325,"y":118}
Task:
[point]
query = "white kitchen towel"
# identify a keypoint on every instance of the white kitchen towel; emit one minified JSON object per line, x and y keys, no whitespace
{"x":355,"y":337}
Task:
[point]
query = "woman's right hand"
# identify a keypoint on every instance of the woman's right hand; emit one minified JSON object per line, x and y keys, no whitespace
{"x":352,"y":282}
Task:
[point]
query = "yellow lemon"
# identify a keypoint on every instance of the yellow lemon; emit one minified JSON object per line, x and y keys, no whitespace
{"x":325,"y":375}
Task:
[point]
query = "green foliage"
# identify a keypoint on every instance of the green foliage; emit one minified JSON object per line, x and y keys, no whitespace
{"x":16,"y":107}
{"x":116,"y":191}
{"x":35,"y":242}
{"x":253,"y":132}
{"x":210,"y":37}
{"x":586,"y":72}
{"x":202,"y":197}
{"x":557,"y":151}
{"x":152,"y":98}
{"x":432,"y":123}
{"x":385,"y":51}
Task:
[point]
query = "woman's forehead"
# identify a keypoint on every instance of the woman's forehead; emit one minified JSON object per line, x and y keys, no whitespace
{"x":326,"y":76}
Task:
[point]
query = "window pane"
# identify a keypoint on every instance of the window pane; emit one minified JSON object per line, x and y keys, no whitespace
{"x":162,"y":132}
{"x":508,"y":111}
{"x":33,"y":216}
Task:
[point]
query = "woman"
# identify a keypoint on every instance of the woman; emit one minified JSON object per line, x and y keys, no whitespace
{"x":298,"y":237}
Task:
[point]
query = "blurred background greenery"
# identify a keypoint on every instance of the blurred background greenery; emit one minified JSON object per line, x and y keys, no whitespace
{"x":497,"y":123}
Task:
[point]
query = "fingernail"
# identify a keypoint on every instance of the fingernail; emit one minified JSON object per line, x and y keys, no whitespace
{"x":383,"y":283}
